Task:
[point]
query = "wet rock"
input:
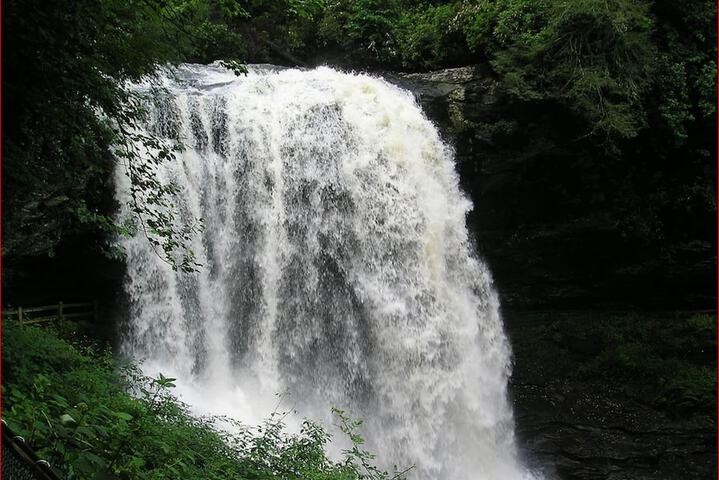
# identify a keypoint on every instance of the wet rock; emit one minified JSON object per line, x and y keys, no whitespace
{"x":594,"y":429}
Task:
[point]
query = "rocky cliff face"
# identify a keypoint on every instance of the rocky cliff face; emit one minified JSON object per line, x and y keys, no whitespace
{"x":580,"y":423}
{"x":562,"y":222}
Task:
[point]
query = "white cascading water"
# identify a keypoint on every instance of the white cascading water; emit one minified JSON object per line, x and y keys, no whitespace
{"x":337,"y":269}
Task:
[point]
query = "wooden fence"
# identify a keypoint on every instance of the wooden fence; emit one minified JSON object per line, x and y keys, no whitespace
{"x":49,"y":313}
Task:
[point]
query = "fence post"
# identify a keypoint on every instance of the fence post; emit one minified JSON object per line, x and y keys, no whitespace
{"x":59,"y":311}
{"x":19,"y":314}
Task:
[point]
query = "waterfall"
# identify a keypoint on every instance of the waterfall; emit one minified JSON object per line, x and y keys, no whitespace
{"x":337,"y":268}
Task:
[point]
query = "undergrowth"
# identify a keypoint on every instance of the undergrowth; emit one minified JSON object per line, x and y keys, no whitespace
{"x":671,"y":361}
{"x":74,"y":407}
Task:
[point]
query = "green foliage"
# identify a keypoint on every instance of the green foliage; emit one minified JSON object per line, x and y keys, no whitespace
{"x":673,"y":360}
{"x":685,"y":86}
{"x":362,"y":28}
{"x":152,"y":201}
{"x":594,"y":57}
{"x":72,"y":405}
{"x":429,"y":36}
{"x":601,"y":60}
{"x":209,"y":27}
{"x":491,"y":26}
{"x":65,"y":83}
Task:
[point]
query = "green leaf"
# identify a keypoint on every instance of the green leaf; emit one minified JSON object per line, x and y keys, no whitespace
{"x":67,"y":420}
{"x":123,"y":416}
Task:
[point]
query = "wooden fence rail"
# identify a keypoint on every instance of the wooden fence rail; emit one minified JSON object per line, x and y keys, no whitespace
{"x":49,"y":313}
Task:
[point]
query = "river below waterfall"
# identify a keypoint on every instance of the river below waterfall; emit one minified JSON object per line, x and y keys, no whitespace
{"x":337,"y":269}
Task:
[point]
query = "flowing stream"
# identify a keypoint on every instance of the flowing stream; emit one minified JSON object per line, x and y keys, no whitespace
{"x":337,"y":268}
